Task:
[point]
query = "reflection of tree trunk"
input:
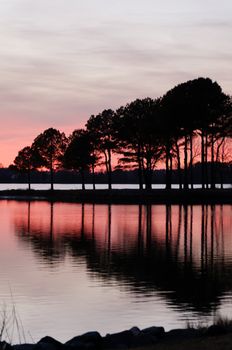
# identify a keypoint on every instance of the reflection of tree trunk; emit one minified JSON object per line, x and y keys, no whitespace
{"x":140,"y":229}
{"x":109,"y":230}
{"x":179,"y":231}
{"x":185,"y":234}
{"x":168,"y":226}
{"x":51,"y":221}
{"x":82,"y":221}
{"x":93,"y":221}
{"x":148,"y":208}
{"x":191,"y":234}
{"x":202,"y":237}
{"x":206,"y":235}
{"x":222,"y":253}
{"x":29,"y":217}
{"x":212,"y":234}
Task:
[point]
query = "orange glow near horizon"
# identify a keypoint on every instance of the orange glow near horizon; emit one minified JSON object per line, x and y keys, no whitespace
{"x":13,"y":139}
{"x":61,"y":64}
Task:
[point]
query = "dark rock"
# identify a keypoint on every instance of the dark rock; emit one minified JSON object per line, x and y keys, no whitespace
{"x":75,"y":344}
{"x":216,"y":330}
{"x":121,"y":340}
{"x":135,"y":331}
{"x":154,"y":331}
{"x":25,"y":347}
{"x":92,"y":337}
{"x":114,"y":346}
{"x":49,"y":343}
{"x":5,"y":346}
{"x":142,"y":340}
{"x":49,"y":340}
{"x":179,"y":334}
{"x":128,"y":339}
{"x":85,"y":341}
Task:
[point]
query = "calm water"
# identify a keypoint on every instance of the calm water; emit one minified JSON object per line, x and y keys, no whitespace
{"x":13,"y":186}
{"x":70,"y":268}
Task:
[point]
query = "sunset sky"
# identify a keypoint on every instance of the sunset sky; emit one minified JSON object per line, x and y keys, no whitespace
{"x":63,"y":60}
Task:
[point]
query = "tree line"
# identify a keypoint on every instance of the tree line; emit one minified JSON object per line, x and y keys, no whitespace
{"x":192,"y":121}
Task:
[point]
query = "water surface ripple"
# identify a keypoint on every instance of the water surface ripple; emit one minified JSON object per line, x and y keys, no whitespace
{"x":71,"y":268}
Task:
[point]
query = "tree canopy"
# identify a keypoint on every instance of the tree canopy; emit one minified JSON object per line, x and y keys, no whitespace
{"x":50,"y":145}
{"x":192,"y":121}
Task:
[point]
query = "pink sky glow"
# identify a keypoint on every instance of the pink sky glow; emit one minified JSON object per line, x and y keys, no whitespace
{"x":62,"y":61}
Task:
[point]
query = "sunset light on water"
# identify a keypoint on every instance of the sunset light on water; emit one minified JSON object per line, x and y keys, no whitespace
{"x":113,"y":262}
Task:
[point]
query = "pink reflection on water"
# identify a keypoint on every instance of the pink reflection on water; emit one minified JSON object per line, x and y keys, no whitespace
{"x":194,"y":232}
{"x":114,"y":266}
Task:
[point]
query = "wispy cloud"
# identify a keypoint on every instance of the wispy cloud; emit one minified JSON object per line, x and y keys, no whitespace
{"x":61,"y":61}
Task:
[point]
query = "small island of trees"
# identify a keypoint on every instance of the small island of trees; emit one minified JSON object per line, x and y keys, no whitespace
{"x":191,"y":123}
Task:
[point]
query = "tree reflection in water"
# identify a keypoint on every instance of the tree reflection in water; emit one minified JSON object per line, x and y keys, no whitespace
{"x":182,"y":251}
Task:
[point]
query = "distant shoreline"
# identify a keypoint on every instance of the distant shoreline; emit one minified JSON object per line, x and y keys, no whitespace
{"x":124,"y":196}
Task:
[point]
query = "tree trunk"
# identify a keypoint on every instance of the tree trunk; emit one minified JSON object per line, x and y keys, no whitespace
{"x":140,"y":174}
{"x":171,"y":167}
{"x":218,"y":160}
{"x":93,"y":176}
{"x":191,"y":161}
{"x":185,"y":162}
{"x":179,"y":165}
{"x":107,"y":168}
{"x":202,"y":160}
{"x":206,"y":162}
{"x":110,"y":170}
{"x":29,"y":179}
{"x":148,"y":177}
{"x":168,"y":178}
{"x":52,"y":177}
{"x":148,"y":171}
{"x":221,"y":175}
{"x":82,"y":179}
{"x":212,"y":164}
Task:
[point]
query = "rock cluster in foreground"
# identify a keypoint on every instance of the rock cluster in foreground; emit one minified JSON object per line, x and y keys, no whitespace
{"x":127,"y":339}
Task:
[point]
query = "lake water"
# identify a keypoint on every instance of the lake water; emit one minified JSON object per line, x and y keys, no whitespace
{"x":15,"y":186}
{"x":71,"y":268}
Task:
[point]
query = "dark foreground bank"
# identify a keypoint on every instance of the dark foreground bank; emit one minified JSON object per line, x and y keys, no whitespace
{"x":213,"y":337}
{"x":125,"y":196}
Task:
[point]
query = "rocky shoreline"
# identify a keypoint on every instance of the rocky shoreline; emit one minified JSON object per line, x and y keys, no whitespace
{"x":152,"y":337}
